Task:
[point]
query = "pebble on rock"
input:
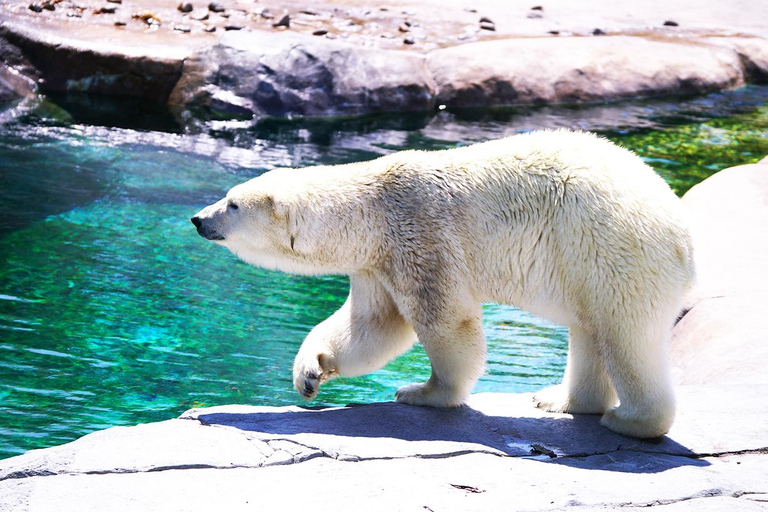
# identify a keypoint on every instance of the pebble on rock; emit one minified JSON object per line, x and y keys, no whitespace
{"x":598,"y":32}
{"x":534,"y":15}
{"x":147,"y":17}
{"x":215,"y":7}
{"x":200,"y":16}
{"x":106,"y":10}
{"x":409,"y":40}
{"x":35,"y":7}
{"x":233,"y":27}
{"x":285,"y":21}
{"x":210,"y":28}
{"x":404,"y":28}
{"x":537,"y":8}
{"x":670,"y":23}
{"x":49,"y":6}
{"x":320,"y":32}
{"x":115,"y":1}
{"x":120,"y":23}
{"x":185,"y":7}
{"x":484,"y":25}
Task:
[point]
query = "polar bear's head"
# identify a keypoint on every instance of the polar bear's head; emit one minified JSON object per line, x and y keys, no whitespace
{"x":251,"y":222}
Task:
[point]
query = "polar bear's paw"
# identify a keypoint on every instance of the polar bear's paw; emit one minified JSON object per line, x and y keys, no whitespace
{"x":558,"y":399}
{"x":552,"y":399}
{"x":429,"y":395}
{"x":643,"y":426}
{"x":310,"y":372}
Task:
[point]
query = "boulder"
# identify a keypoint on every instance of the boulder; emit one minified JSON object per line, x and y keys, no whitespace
{"x":548,"y":70}
{"x":57,"y":61}
{"x":721,"y":338}
{"x":260,"y":73}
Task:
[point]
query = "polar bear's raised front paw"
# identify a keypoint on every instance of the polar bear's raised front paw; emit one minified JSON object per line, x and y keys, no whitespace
{"x":310,"y":372}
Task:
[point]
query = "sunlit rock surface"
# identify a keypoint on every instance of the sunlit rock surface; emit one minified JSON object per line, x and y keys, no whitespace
{"x":499,"y":452}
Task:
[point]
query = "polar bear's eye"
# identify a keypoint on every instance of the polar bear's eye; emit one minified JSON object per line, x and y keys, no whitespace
{"x":232,"y":206}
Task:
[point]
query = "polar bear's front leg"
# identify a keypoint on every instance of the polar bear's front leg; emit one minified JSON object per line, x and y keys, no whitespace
{"x":359,"y":338}
{"x":457,"y":354}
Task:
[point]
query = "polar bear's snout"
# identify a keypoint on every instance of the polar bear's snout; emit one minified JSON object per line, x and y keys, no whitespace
{"x":205,"y":230}
{"x":207,"y":223}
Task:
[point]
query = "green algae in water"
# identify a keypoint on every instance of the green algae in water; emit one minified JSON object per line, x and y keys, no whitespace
{"x":113,"y":311}
{"x":687,"y":154}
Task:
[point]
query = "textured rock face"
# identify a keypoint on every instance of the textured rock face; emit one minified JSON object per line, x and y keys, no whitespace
{"x":258,"y":73}
{"x":497,"y":453}
{"x":56,"y":62}
{"x":260,"y":70}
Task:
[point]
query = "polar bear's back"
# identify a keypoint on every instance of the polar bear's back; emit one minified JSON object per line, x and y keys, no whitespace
{"x":549,"y":219}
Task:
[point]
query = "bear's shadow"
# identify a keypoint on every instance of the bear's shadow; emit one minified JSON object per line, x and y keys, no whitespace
{"x":402,"y":430}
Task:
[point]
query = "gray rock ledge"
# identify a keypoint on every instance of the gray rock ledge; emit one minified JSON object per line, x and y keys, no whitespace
{"x":496,"y":453}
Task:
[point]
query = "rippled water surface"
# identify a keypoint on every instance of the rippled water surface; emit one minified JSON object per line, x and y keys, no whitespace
{"x":114,"y":311}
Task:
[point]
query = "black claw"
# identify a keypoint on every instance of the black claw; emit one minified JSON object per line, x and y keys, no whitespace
{"x":308,"y":389}
{"x":311,"y":375}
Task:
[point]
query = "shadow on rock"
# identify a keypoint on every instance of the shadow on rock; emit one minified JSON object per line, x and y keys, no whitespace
{"x":576,"y":441}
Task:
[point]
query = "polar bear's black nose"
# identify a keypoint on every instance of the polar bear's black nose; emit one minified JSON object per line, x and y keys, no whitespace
{"x":196,"y":221}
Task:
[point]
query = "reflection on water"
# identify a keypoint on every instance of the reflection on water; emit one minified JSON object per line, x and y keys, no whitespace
{"x":113,"y":311}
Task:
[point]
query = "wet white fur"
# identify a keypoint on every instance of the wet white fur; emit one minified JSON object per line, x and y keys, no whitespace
{"x":563,"y":224}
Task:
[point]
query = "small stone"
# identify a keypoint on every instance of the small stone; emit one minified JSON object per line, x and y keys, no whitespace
{"x":598,"y":32}
{"x":182,"y":28}
{"x":320,"y":32}
{"x":308,"y":12}
{"x":200,"y":16}
{"x":404,"y":28}
{"x":210,"y":28}
{"x":106,"y":10}
{"x":554,"y":32}
{"x":115,"y":1}
{"x":48,"y":6}
{"x":409,"y":40}
{"x":147,"y":17}
{"x":537,"y":8}
{"x":266,"y":14}
{"x":233,"y":27}
{"x":224,"y":15}
{"x":285,"y":21}
{"x":35,"y":7}
{"x":534,"y":15}
{"x":484,"y":25}
{"x":185,"y":7}
{"x":215,"y":7}
{"x":120,"y":23}
{"x":670,"y":23}
{"x":486,"y":19}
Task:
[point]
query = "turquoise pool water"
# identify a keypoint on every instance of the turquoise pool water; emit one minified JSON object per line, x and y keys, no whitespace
{"x":114,"y":311}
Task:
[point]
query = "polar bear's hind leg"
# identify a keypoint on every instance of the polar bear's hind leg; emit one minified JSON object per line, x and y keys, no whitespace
{"x":586,"y":386}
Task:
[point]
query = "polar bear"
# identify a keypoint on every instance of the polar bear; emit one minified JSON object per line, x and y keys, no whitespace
{"x":563,"y":224}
